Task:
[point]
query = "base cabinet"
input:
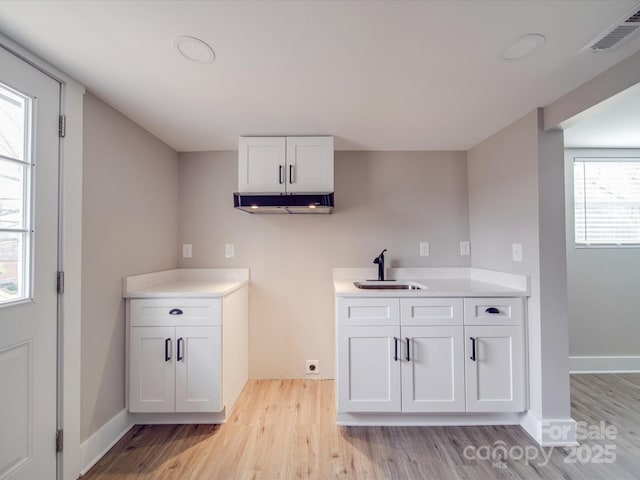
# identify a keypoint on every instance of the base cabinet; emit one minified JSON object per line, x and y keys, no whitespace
{"x":151,"y":375}
{"x":426,"y":359}
{"x":174,"y":369}
{"x":187,"y":356}
{"x":432,"y":369}
{"x":494,"y":369}
{"x":370,"y":372}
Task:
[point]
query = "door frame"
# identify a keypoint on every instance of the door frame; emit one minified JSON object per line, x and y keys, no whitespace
{"x":69,"y":258}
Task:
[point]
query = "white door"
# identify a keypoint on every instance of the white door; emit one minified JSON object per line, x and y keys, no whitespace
{"x":494,"y":369}
{"x":369,"y":369}
{"x":198,"y":367}
{"x":432,"y":369}
{"x":29,"y":112}
{"x":261,"y":164}
{"x":309,"y":164}
{"x":152,"y":369}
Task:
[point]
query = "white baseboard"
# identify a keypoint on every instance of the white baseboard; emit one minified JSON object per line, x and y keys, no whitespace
{"x":604,"y":364}
{"x":550,"y":432}
{"x":94,"y":447}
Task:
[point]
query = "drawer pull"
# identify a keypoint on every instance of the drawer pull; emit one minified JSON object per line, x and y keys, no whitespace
{"x":492,"y":311}
{"x":180,"y":352}
{"x":167,"y":349}
{"x":473,"y":349}
{"x":408,"y":358}
{"x":175,"y":311}
{"x":395,"y":349}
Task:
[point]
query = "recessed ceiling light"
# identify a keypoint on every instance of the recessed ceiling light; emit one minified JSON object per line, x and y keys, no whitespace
{"x":523,"y":47}
{"x":194,"y":49}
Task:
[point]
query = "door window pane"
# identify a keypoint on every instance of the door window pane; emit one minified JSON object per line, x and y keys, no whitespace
{"x":12,"y":194}
{"x":13,"y":123}
{"x":12,"y":257}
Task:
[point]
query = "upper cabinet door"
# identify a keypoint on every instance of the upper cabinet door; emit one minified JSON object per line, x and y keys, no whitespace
{"x":261,"y":167}
{"x":309,"y":164}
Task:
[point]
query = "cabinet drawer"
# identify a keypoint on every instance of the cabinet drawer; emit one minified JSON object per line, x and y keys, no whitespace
{"x":368,"y":311}
{"x":175,"y":311}
{"x":431,"y":311}
{"x":493,"y":311}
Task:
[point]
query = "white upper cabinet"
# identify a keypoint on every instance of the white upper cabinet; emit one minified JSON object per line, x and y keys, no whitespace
{"x":285,"y":164}
{"x":309,"y":164}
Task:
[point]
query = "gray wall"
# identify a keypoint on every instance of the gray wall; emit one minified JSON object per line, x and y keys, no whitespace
{"x":384,"y":200}
{"x":516,"y":196}
{"x":604,"y":304}
{"x":130,"y":213}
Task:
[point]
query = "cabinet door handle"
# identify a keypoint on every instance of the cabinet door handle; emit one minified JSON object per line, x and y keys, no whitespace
{"x":395,"y":348}
{"x":408,"y":357}
{"x":180,"y":353}
{"x":175,"y":311}
{"x":167,"y":349}
{"x":280,"y":168}
{"x":492,"y":311}
{"x":473,"y":349}
{"x":290,"y":173}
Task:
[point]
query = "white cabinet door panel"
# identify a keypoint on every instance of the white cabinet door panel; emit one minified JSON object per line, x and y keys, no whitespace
{"x":309,"y":164}
{"x":495,"y":379}
{"x":151,"y":375}
{"x":261,"y":164}
{"x":368,"y":373}
{"x":433,"y":377}
{"x":198,"y":369}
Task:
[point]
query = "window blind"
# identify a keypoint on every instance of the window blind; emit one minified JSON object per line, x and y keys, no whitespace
{"x":607,"y":201}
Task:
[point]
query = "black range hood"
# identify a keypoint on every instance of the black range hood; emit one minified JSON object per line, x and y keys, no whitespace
{"x":287,"y":203}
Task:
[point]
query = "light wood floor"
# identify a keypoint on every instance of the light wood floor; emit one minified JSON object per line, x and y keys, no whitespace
{"x":285,"y":429}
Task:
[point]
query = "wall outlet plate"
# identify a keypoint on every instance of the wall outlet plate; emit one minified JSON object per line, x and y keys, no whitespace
{"x":424,"y":249}
{"x":229,"y":250}
{"x":187,"y":250}
{"x":465,"y":249}
{"x":313,"y":368}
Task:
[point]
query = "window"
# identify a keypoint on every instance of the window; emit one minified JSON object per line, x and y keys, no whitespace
{"x":607,"y":201}
{"x":15,"y":195}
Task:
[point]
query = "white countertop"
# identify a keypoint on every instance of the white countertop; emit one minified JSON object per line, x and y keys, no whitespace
{"x":440,"y":282}
{"x":186,"y":283}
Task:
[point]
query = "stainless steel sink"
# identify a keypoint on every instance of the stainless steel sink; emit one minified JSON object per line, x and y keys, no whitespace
{"x":389,"y":285}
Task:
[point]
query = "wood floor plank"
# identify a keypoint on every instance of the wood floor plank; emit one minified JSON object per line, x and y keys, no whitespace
{"x":285,"y":429}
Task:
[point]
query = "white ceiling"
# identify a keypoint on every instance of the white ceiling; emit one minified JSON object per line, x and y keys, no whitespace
{"x":378,"y":75}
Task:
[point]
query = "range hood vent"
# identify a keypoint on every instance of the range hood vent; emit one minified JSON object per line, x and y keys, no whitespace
{"x":284,"y":203}
{"x":618,"y":33}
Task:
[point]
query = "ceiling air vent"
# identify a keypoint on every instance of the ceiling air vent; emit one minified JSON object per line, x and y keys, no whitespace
{"x":618,"y":33}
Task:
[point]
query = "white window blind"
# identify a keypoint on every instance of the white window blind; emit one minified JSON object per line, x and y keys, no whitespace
{"x":607,"y":201}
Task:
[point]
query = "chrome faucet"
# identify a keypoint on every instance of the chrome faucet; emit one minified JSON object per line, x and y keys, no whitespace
{"x":379,"y":260}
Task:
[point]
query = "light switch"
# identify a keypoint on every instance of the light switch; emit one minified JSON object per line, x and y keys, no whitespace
{"x":424,"y":249}
{"x":516,"y":250}
{"x":229,"y":250}
{"x":187,"y":251}
{"x":465,"y":249}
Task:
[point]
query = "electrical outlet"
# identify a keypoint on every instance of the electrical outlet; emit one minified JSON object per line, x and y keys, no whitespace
{"x":313,"y":368}
{"x":187,"y":250}
{"x":229,"y":250}
{"x":424,"y":249}
{"x":516,"y":252}
{"x":465,"y":249}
